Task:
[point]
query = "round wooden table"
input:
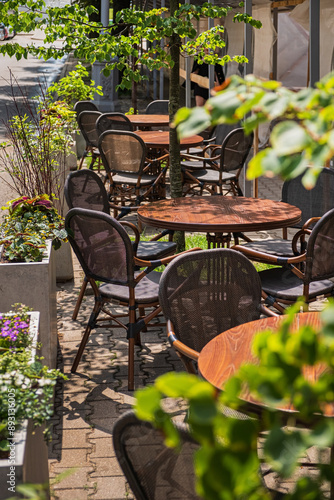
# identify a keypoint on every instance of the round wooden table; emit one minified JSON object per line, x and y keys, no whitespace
{"x":149,"y":120}
{"x":226,"y":353}
{"x":158,"y":139}
{"x":230,"y":214}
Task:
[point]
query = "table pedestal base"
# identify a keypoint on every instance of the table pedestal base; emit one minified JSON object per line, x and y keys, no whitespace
{"x":218,"y":240}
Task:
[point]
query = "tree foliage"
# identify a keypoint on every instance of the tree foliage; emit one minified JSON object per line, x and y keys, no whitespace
{"x":72,"y":25}
{"x":302,"y":135}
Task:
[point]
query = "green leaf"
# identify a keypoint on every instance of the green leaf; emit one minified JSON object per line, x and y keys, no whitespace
{"x":191,"y":123}
{"x":223,"y":107}
{"x":322,"y":435}
{"x":283,"y":449}
{"x":147,"y":403}
{"x":289,"y":137}
{"x":4,"y":445}
{"x":176,"y":384}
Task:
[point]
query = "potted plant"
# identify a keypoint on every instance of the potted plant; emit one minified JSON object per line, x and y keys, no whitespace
{"x":36,"y":155}
{"x":27,"y":265}
{"x":26,"y":401}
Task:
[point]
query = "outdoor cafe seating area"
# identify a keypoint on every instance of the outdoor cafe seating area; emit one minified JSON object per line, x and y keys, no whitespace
{"x":202,"y":293}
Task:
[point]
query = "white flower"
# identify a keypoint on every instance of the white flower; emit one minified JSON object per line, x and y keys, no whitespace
{"x":45,"y":381}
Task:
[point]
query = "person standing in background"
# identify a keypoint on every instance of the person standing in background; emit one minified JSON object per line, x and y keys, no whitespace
{"x":202,"y":94}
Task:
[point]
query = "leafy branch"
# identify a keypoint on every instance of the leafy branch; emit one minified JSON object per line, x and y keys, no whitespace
{"x":302,"y":138}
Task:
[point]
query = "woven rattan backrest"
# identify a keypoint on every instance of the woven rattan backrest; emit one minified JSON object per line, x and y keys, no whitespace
{"x":154,"y":471}
{"x":221,"y":131}
{"x":320,"y":249}
{"x":113,"y":121}
{"x":235,"y":149}
{"x":84,"y":189}
{"x":84,"y":106}
{"x":101,"y":245}
{"x":312,"y":202}
{"x":87,"y":125}
{"x":159,"y":107}
{"x":207,"y":292}
{"x":122,"y":152}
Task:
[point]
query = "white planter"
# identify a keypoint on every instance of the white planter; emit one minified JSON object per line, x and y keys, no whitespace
{"x":28,"y":460}
{"x":34,"y":285}
{"x":64,"y":263}
{"x":80,"y":144}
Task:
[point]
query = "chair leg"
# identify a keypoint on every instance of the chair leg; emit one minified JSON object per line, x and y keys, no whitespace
{"x":82,"y":160}
{"x":80,"y":298}
{"x":142,"y":314}
{"x":84,"y":340}
{"x":131,"y":364}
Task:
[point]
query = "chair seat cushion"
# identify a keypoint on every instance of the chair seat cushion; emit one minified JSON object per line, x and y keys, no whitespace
{"x":151,"y":250}
{"x":283,"y":284}
{"x":282,"y":248}
{"x":212,"y":176}
{"x":146,"y":291}
{"x":131,"y":179}
{"x":193,"y":165}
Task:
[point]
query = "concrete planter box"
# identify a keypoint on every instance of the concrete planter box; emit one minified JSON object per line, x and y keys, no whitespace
{"x":28,"y":462}
{"x":63,"y":256}
{"x":64,"y":263}
{"x":34,"y":285}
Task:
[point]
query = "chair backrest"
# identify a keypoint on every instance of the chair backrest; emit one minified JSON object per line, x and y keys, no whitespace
{"x":153,"y":470}
{"x":221,"y":131}
{"x":101,"y":245}
{"x":113,"y":121}
{"x":235,"y":150}
{"x":122,"y":152}
{"x":312,"y":202}
{"x":87,"y":125}
{"x":207,"y":292}
{"x":84,"y":189}
{"x":84,"y":106}
{"x":159,"y":107}
{"x":320,"y":250}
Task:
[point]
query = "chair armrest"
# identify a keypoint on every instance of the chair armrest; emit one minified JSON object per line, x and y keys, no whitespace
{"x":300,"y":235}
{"x":265,"y":310}
{"x":123,"y":210}
{"x":136,"y":233}
{"x":178,"y":345}
{"x":268,"y":258}
{"x":166,"y":232}
{"x":311,"y":221}
{"x":151,"y":265}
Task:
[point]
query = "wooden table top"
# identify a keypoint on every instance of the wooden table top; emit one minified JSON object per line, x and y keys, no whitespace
{"x":160,"y":139}
{"x":225,"y":354}
{"x":219,"y":214}
{"x":149,"y":120}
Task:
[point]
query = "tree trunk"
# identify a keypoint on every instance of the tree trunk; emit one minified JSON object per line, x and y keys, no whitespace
{"x":174,"y":104}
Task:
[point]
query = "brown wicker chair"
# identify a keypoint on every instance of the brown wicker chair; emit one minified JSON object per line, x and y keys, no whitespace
{"x":307,"y":275}
{"x":106,"y":254}
{"x":85,"y":189}
{"x":80,"y":106}
{"x":113,"y":121}
{"x":153,"y":470}
{"x":313,"y":203}
{"x":206,"y":293}
{"x":128,"y":170}
{"x":158,"y":107}
{"x":87,"y":126}
{"x":218,"y":172}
